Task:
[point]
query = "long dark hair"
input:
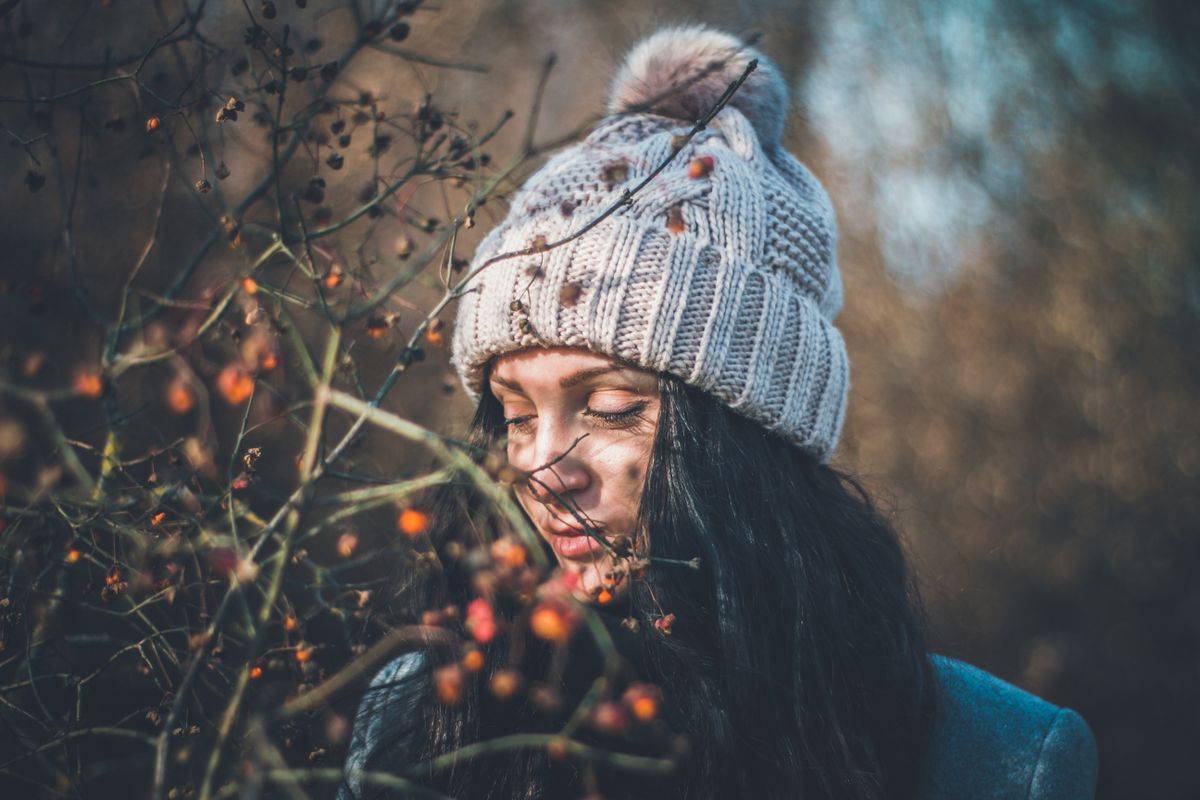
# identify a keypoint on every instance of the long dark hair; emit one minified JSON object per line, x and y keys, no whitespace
{"x":797,"y":665}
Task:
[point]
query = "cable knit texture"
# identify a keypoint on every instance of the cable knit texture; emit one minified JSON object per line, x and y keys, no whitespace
{"x":721,"y":271}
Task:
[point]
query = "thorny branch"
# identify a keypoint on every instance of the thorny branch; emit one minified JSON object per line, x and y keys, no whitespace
{"x":129,"y":552}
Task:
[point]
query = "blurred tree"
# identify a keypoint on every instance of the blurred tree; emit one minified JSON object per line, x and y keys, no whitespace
{"x":1017,"y":189}
{"x":1018,"y":184}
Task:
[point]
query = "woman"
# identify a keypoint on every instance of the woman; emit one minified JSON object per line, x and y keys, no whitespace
{"x":669,"y":386}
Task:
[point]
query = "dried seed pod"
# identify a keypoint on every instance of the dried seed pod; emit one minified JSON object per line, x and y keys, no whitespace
{"x":403,"y":247}
{"x":614,"y":173}
{"x":569,"y":294}
{"x":34,"y":180}
{"x":675,"y":222}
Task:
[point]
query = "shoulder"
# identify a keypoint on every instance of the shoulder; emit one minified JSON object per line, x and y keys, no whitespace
{"x":385,"y":727}
{"x":993,"y":740}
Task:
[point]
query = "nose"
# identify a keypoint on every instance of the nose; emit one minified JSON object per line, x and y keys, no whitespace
{"x":560,"y":470}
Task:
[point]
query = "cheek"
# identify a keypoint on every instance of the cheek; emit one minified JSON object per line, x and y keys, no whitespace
{"x":628,"y":470}
{"x":520,"y":453}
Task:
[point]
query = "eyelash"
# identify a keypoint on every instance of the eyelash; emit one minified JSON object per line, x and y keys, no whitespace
{"x":609,"y":419}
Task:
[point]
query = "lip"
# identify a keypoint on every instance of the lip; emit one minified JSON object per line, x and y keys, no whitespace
{"x":571,"y":541}
{"x":562,"y":526}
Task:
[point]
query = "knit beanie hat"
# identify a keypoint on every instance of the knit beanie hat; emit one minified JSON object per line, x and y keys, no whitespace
{"x":721,"y":271}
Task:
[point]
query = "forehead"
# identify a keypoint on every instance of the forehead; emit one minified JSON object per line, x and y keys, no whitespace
{"x":552,"y":365}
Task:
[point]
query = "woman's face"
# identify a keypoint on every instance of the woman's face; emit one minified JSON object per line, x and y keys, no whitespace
{"x":581,"y":425}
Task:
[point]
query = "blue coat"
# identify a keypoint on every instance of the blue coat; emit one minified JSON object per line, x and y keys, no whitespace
{"x":995,"y":742}
{"x":992,"y":741}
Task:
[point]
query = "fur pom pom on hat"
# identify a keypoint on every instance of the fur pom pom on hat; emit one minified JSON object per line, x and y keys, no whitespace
{"x":682,"y":73}
{"x":721,"y":270}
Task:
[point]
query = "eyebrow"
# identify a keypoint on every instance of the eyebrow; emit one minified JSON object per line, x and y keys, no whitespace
{"x":573,"y":379}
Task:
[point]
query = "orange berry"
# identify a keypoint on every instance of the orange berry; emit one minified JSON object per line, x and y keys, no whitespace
{"x":435,"y":338}
{"x":152,"y":124}
{"x":604,"y":598}
{"x":448,"y":682}
{"x":504,"y":684}
{"x":235,"y":384}
{"x":333,"y":278}
{"x":180,"y":397}
{"x":473,"y":661}
{"x":644,"y":700}
{"x":256,"y":673}
{"x":249,"y":285}
{"x":73,"y":555}
{"x":346,"y":545}
{"x":550,"y":621}
{"x":557,"y":749}
{"x":89,"y":384}
{"x":303,"y":653}
{"x":508,"y":553}
{"x":645,"y":708}
{"x":413,"y":522}
{"x":269,"y":361}
{"x":700,"y":167}
{"x":290,"y":623}
{"x":377,"y":327}
{"x":158,"y":518}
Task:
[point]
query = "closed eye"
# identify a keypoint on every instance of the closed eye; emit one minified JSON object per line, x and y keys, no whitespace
{"x":519,"y":424}
{"x":622,"y":418}
{"x":625,"y":417}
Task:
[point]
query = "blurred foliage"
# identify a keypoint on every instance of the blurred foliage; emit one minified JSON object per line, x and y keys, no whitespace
{"x":1016,"y":188}
{"x":1019,"y":183}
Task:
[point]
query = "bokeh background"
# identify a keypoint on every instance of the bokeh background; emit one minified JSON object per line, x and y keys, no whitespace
{"x":1016,"y":188}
